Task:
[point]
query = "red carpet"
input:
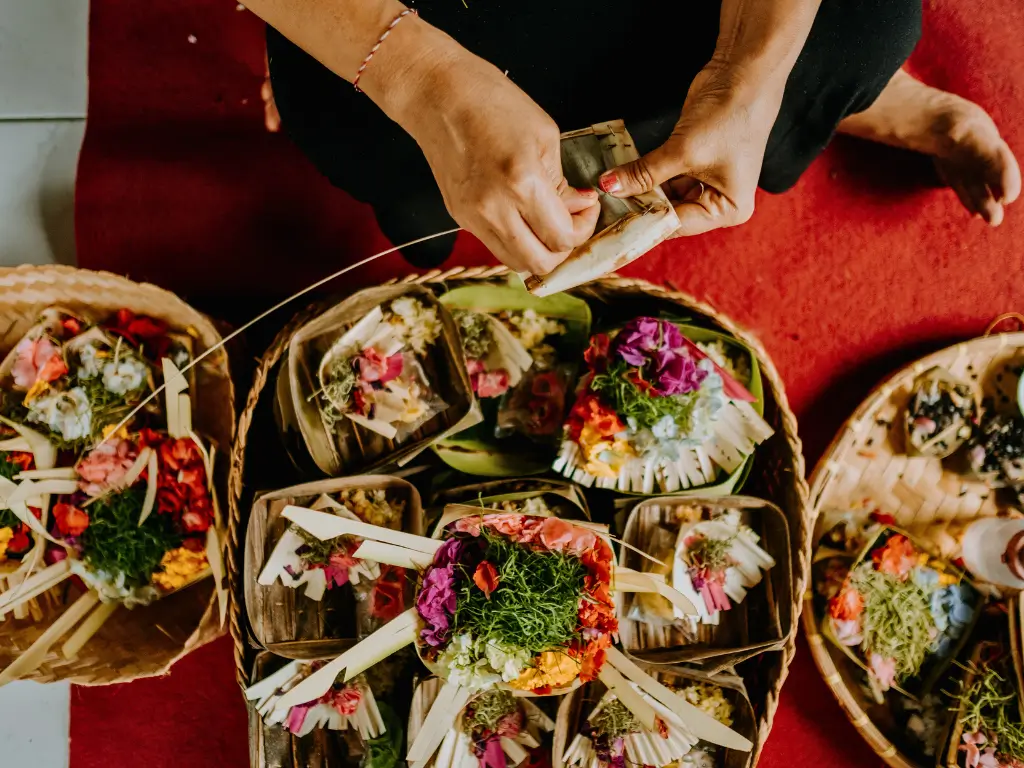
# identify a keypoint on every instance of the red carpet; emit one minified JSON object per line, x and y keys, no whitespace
{"x":861,"y":268}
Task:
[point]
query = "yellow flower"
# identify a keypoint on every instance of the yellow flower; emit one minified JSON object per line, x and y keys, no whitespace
{"x":6,"y":534}
{"x":121,"y":433}
{"x":603,"y":457}
{"x":710,"y":699}
{"x":179,"y":567}
{"x":552,"y":668}
{"x":35,"y":391}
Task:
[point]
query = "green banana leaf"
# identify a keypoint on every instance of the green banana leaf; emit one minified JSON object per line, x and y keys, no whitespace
{"x":476,"y":451}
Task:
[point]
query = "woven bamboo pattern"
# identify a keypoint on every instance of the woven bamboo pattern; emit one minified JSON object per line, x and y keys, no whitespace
{"x":147,"y":640}
{"x":930,"y":499}
{"x":778,"y":472}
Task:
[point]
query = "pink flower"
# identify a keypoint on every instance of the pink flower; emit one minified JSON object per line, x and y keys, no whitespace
{"x":38,"y":360}
{"x":896,"y":557}
{"x":105,"y":466}
{"x":490,"y":383}
{"x":714,"y":595}
{"x":346,"y":701}
{"x":470,"y":525}
{"x":493,"y":756}
{"x":883,"y":670}
{"x":643,"y":335}
{"x":510,"y":525}
{"x":436,"y":602}
{"x":337,"y":569}
{"x":656,"y":348}
{"x":373,"y":366}
{"x":297,"y":716}
{"x":848,"y":631}
{"x":971,"y":745}
{"x":555,"y":533}
{"x":582,"y":539}
{"x":531,"y":530}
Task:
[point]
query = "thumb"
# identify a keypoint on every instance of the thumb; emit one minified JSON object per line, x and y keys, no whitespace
{"x":643,"y":174}
{"x":695,"y":219}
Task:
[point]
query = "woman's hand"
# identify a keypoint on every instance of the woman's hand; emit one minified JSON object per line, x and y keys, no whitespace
{"x":496,"y":157}
{"x":710,"y":165}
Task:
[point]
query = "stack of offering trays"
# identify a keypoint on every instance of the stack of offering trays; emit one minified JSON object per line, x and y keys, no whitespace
{"x":494,"y":368}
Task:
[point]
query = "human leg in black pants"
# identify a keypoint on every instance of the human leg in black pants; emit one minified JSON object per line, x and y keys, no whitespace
{"x":554,"y":52}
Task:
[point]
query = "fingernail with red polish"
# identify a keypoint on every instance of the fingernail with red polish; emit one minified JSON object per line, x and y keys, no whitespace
{"x":610,"y":183}
{"x":586,"y":191}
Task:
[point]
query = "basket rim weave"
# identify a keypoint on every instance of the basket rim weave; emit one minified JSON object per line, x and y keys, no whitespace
{"x":819,"y":483}
{"x":787,"y":419}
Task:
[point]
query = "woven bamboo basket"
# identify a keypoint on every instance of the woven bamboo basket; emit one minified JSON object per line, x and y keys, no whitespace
{"x":778,"y":474}
{"x":144,"y":641}
{"x":927,"y":497}
{"x":575,"y":708}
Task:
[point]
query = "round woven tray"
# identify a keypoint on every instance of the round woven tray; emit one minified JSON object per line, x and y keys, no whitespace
{"x":866,"y":461}
{"x":778,"y":472}
{"x":144,"y":641}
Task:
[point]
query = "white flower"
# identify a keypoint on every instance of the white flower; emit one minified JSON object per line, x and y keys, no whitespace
{"x":536,"y":506}
{"x":666,"y":429}
{"x":710,"y":401}
{"x":736,"y":364}
{"x":68,"y":414}
{"x":112,"y":589}
{"x":89,"y":362}
{"x":466,"y":664}
{"x":477,"y":664}
{"x":508,"y":662}
{"x":124,"y":375}
{"x":415,"y":321}
{"x":531,"y":329}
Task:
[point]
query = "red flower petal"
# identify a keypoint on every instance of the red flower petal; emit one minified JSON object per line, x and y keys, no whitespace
{"x":23,"y":459}
{"x":486,"y":578}
{"x":19,"y":542}
{"x":71,"y":521}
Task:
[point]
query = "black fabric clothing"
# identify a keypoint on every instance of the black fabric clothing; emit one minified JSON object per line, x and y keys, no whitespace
{"x":578,"y":60}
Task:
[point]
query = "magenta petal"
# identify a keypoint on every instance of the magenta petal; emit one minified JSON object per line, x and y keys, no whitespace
{"x":395,"y":365}
{"x":296,"y":717}
{"x":494,"y":755}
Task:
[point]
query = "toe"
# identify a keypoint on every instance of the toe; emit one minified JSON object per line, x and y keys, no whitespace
{"x":984,"y":204}
{"x":1008,"y":183}
{"x":965,"y":198}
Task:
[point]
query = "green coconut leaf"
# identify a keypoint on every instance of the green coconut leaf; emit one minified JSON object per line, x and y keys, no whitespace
{"x":476,"y":451}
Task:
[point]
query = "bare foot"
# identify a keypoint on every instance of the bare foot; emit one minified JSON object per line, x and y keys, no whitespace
{"x":271,"y":117}
{"x":963,"y":141}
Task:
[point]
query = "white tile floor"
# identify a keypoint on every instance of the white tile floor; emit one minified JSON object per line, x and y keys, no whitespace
{"x":42,"y":121}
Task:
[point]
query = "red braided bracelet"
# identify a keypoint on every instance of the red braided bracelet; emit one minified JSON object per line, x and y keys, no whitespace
{"x":380,"y":41}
